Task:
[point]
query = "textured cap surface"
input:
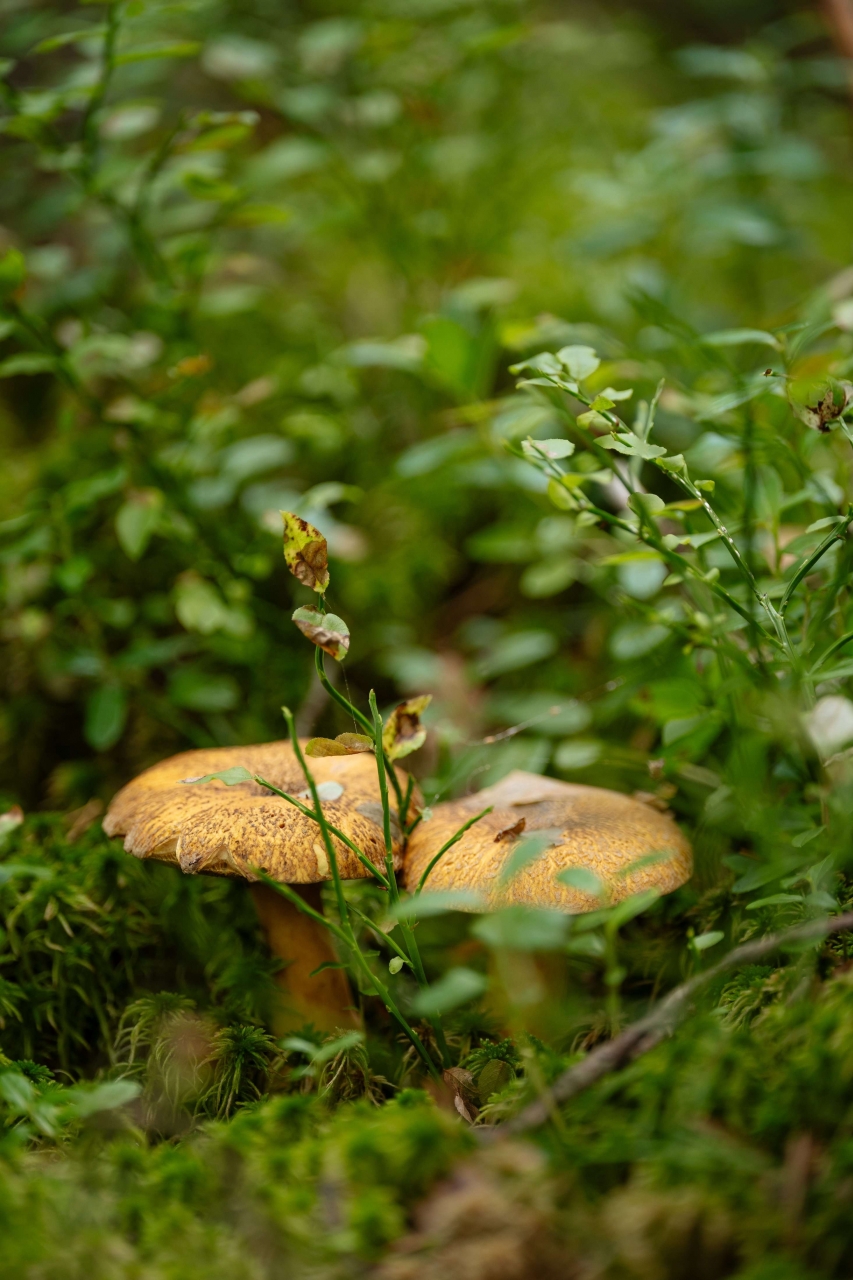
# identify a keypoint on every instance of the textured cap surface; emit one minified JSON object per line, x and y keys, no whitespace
{"x":602,"y":831}
{"x":227,"y":830}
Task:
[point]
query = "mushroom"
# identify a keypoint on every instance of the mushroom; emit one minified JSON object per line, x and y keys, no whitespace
{"x":627,"y":845}
{"x":233,"y":829}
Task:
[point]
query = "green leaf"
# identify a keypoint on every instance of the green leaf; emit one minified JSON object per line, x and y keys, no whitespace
{"x":13,"y":272}
{"x":137,"y":521}
{"x":27,"y":363}
{"x":805,"y":837}
{"x":547,"y":448}
{"x":182,"y":49}
{"x":317,"y":748}
{"x":739,"y":338}
{"x":306,"y":552}
{"x":106,"y":713}
{"x":395,"y":964}
{"x":200,"y":608}
{"x":560,"y":495}
{"x":527,"y":850}
{"x":70,"y":37}
{"x":329,"y":632}
{"x":646,"y":504}
{"x":631,"y":445}
{"x":775,"y":900}
{"x":406,"y":353}
{"x":706,"y":940}
{"x":583,"y":879}
{"x":592,"y":420}
{"x":514,"y":651}
{"x":437,"y":904}
{"x":674,"y":463}
{"x":231,"y":777}
{"x":520,"y":928}
{"x":327,"y":964}
{"x":15,"y":870}
{"x":260,"y":215}
{"x":456,"y":987}
{"x":87,"y":1100}
{"x":545,"y":362}
{"x":355,"y":743}
{"x":625,"y":911}
{"x":579,"y":361}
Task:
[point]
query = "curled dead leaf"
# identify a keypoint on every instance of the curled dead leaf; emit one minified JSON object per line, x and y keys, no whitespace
{"x":306,"y":552}
{"x":329,"y":632}
{"x":404,"y":732}
{"x":507,"y":833}
{"x":465,"y":1096}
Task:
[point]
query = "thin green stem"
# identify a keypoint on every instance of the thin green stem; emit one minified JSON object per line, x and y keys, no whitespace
{"x":407,"y":800}
{"x":89,"y":128}
{"x":366,"y":724}
{"x":352,"y":941}
{"x":833,"y":648}
{"x":380,"y":933}
{"x":728,"y":541}
{"x":405,"y":928}
{"x":383,"y":791}
{"x":335,"y":695}
{"x":449,"y":845}
{"x":291,"y":895}
{"x":837,"y":535}
{"x":321,"y":818}
{"x":352,"y":945}
{"x":336,"y":831}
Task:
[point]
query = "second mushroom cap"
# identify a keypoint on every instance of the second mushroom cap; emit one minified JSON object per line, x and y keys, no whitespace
{"x":626,"y":844}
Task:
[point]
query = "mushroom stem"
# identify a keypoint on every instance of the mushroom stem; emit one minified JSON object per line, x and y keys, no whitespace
{"x":303,"y":944}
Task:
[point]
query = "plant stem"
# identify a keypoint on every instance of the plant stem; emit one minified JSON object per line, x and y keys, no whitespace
{"x":367,"y":725}
{"x":405,"y":927}
{"x":346,"y":926}
{"x":309,"y":813}
{"x":321,"y":819}
{"x":89,"y":129}
{"x":449,"y":845}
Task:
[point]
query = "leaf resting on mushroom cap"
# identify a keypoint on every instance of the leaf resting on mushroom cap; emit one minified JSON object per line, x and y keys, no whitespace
{"x":404,"y":732}
{"x":306,"y":553}
{"x":237,"y":773}
{"x":345,"y":744}
{"x":319,"y":747}
{"x":329,"y":632}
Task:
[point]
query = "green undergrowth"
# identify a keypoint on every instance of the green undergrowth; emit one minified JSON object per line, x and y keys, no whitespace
{"x":86,"y":930}
{"x":544,"y":321}
{"x":731,"y":1142}
{"x":733,"y":1145}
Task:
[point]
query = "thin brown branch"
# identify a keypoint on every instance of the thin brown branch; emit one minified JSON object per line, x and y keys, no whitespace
{"x":649,"y":1031}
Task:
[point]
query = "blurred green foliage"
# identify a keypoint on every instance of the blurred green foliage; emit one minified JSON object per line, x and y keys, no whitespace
{"x":267,"y":256}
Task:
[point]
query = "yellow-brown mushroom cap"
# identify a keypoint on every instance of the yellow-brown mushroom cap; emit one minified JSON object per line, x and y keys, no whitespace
{"x":228,"y":830}
{"x":602,"y":831}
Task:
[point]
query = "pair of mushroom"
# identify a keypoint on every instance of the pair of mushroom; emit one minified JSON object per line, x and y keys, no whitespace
{"x":621,"y":844}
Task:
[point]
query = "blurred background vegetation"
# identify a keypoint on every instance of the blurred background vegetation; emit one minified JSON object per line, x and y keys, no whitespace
{"x":287,"y":266}
{"x":268,"y":255}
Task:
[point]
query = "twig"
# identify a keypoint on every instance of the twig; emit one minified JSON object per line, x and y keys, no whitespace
{"x":655,"y":1026}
